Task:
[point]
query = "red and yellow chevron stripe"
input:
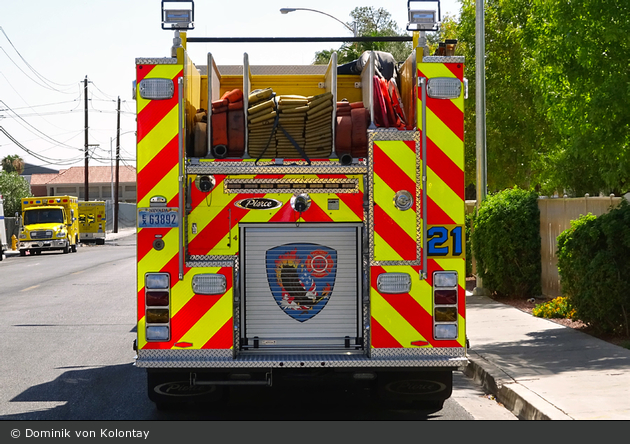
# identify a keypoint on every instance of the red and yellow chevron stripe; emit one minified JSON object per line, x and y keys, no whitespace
{"x":445,"y":148}
{"x":197,"y":321}
{"x":406,"y":320}
{"x":395,"y":231}
{"x":216,"y":216}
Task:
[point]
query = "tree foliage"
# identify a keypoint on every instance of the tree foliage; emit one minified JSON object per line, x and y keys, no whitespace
{"x":517,"y":132}
{"x":370,"y":22}
{"x":13,"y":163}
{"x":579,"y":65}
{"x":557,"y":89}
{"x":13,"y":188}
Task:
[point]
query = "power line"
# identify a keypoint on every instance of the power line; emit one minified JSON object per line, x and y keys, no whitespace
{"x":44,"y":79}
{"x":44,"y":159}
{"x":40,"y":132}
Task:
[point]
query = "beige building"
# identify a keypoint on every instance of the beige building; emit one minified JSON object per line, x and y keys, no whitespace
{"x":71,"y":182}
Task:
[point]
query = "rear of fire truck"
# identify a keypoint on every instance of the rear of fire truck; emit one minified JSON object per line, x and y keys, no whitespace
{"x":285,"y":236}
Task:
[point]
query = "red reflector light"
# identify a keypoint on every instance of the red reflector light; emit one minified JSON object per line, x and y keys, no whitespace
{"x":445,"y":297}
{"x":157,"y":298}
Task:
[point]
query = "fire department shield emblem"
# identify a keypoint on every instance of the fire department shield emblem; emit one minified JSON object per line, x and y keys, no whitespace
{"x":301,"y":277}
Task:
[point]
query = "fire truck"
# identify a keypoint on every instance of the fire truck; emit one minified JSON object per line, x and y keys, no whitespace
{"x":301,"y":227}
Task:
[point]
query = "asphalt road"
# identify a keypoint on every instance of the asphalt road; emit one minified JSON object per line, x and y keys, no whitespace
{"x":68,"y":323}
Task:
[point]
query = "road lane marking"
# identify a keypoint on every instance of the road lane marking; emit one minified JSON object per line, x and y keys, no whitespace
{"x":30,"y":288}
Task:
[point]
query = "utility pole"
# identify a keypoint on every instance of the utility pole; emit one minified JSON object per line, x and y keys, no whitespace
{"x":117,"y":168}
{"x":480,"y":110}
{"x":86,"y":196}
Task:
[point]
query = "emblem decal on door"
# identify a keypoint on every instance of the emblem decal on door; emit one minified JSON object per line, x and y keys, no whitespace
{"x":301,"y":277}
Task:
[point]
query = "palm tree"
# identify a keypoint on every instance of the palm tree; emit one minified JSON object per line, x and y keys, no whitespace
{"x":13,"y":163}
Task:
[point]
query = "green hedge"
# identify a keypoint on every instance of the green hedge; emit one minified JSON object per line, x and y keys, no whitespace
{"x":594,"y":267}
{"x":506,"y":243}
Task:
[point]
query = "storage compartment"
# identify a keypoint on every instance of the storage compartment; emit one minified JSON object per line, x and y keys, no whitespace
{"x":300,"y":287}
{"x":299,"y":116}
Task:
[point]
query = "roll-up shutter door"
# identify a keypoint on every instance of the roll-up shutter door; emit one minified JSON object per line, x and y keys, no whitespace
{"x":300,"y":287}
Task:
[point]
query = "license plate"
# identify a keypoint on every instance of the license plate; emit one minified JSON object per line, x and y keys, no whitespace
{"x":158,"y":218}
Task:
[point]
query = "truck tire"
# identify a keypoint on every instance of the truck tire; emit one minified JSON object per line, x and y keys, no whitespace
{"x":168,"y":390}
{"x":22,"y":252}
{"x":66,"y":249}
{"x":417,"y":390}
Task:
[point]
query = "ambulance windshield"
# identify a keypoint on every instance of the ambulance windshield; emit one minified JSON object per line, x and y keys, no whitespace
{"x":43,"y":216}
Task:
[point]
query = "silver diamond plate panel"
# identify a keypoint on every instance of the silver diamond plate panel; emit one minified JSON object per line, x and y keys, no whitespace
{"x":443,"y":59}
{"x":210,"y":261}
{"x":232,"y":168}
{"x":228,"y":182}
{"x":225,"y":359}
{"x":394,"y":134}
{"x":157,"y":61}
{"x":207,"y":263}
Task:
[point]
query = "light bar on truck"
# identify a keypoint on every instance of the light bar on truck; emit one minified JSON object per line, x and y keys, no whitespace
{"x":393,"y":283}
{"x":156,"y":89}
{"x":209,"y":284}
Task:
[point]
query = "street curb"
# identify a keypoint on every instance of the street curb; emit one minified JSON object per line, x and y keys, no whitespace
{"x":522,"y":402}
{"x":121,"y":234}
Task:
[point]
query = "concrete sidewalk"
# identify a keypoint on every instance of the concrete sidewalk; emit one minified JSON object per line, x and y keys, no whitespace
{"x":542,"y":370}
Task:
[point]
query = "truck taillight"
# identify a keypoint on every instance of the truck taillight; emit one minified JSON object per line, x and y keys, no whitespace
{"x":157,"y":306}
{"x":445,"y":305}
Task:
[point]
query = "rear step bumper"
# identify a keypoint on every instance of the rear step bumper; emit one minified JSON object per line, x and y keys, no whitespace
{"x":401,"y":358}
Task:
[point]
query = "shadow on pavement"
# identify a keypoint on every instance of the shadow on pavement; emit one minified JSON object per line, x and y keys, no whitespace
{"x":118,"y":392}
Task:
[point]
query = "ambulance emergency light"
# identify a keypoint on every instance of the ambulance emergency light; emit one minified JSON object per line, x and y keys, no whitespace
{"x":425,"y":18}
{"x":178,"y":18}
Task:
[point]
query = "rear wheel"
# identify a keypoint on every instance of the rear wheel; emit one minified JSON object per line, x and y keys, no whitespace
{"x":169,"y":390}
{"x":418,"y":390}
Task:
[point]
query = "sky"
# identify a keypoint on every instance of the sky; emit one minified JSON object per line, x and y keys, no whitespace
{"x":48,"y":49}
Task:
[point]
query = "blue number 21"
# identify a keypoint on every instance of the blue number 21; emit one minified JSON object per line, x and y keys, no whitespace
{"x":438,"y":237}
